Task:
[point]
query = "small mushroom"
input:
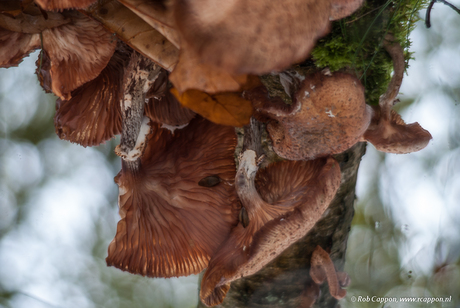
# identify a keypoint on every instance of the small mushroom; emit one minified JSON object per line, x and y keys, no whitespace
{"x":282,"y":204}
{"x":387,"y":131}
{"x":322,"y":268}
{"x":328,"y":116}
{"x":170,"y":225}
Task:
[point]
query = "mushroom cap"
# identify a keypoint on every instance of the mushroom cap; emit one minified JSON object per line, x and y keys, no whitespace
{"x":170,"y":225}
{"x":304,"y":189}
{"x":16,"y":46}
{"x":328,"y":116}
{"x":394,"y":136}
{"x":93,"y":114}
{"x":342,"y":8}
{"x":235,"y":35}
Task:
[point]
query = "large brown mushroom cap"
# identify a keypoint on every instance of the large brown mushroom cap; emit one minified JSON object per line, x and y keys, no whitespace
{"x":328,"y":116}
{"x":235,"y":36}
{"x":293,"y":196}
{"x":171,"y":225}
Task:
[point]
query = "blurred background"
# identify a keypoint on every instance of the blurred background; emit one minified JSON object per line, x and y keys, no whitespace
{"x":58,"y":201}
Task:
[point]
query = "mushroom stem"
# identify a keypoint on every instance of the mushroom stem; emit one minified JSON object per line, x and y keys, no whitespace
{"x":139,"y":75}
{"x":396,"y":52}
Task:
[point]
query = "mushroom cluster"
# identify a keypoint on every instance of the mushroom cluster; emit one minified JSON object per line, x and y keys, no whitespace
{"x":184,"y":204}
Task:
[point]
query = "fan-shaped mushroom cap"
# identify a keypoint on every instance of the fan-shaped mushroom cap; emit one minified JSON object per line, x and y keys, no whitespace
{"x":328,"y":116}
{"x":59,"y":5}
{"x":293,"y":196}
{"x":93,"y":114}
{"x":171,"y":225}
{"x":78,"y":51}
{"x":236,"y":36}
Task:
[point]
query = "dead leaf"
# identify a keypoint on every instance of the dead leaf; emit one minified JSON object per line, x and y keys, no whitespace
{"x":136,"y":33}
{"x":156,"y":16}
{"x":226,"y":108}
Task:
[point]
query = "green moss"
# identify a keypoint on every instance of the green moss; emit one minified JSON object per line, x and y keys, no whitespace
{"x":355,"y":42}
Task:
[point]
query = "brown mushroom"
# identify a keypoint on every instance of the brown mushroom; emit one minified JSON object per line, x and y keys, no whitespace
{"x":283,"y":203}
{"x":328,"y":116}
{"x":93,"y":114}
{"x":322,"y":268}
{"x":78,"y":52}
{"x":170,"y":225}
{"x":236,"y":37}
{"x":387,"y":131}
{"x":163,"y":107}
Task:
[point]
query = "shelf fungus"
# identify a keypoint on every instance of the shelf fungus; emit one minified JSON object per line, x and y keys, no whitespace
{"x":59,"y":5}
{"x":280,"y":205}
{"x":170,"y":225}
{"x":387,"y":131}
{"x":322,"y":268}
{"x":328,"y":116}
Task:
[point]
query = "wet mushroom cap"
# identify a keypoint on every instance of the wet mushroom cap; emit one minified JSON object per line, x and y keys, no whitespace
{"x":328,"y":116}
{"x":171,"y":225}
{"x":295,"y":194}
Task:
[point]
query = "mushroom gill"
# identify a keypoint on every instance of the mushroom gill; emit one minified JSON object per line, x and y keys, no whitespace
{"x":282,"y":203}
{"x":170,"y":225}
{"x":236,"y":37}
{"x":93,"y":114}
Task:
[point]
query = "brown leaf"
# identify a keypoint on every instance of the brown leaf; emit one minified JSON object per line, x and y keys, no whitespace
{"x":157,"y":16}
{"x":136,"y":33}
{"x":224,"y":108}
